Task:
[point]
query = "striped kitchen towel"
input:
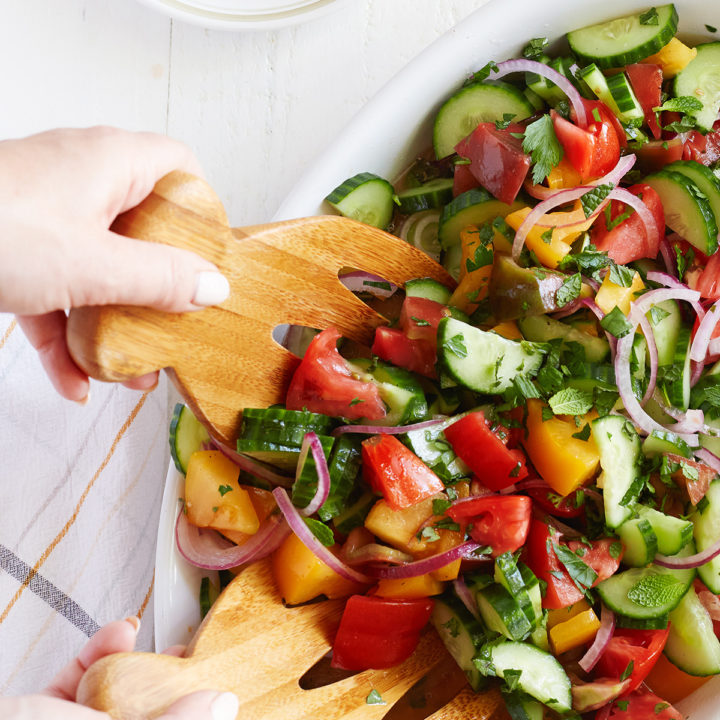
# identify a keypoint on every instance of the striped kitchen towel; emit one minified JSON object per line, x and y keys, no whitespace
{"x":80,"y":492}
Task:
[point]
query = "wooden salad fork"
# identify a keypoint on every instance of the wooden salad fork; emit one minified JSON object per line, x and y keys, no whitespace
{"x":223,"y":359}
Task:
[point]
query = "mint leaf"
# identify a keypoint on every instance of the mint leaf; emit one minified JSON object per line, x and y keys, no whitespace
{"x":456,"y":345}
{"x":580,"y":572}
{"x":569,"y":290}
{"x":621,"y":275}
{"x":584,"y":434}
{"x":615,"y":549}
{"x":542,"y":145}
{"x":650,"y":17}
{"x":611,"y":223}
{"x":224,"y":489}
{"x":503,"y":124}
{"x":440,"y":506}
{"x":616,"y":323}
{"x":321,"y":531}
{"x":571,"y":401}
{"x":592,"y":199}
{"x":512,"y":678}
{"x":482,"y":74}
{"x":535,"y":48}
{"x":428,"y":533}
{"x":627,"y":672}
{"x":682,"y":104}
{"x":656,"y":590}
{"x":374,"y":698}
{"x":657,"y":314}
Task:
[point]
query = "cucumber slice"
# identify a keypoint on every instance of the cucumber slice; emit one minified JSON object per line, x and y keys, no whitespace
{"x":470,"y":106}
{"x":462,"y":635}
{"x":452,"y":259}
{"x":474,"y":207}
{"x":619,"y":446}
{"x":706,"y":523}
{"x":541,"y":328}
{"x":521,"y":707}
{"x":640,"y":542}
{"x":660,"y":442}
{"x":187,"y":436}
{"x":672,"y":533}
{"x":701,"y":79}
{"x":687,"y":210}
{"x":484,"y":361}
{"x":691,"y":644}
{"x":649,"y":592}
{"x":677,"y":392}
{"x":630,"y":110}
{"x":428,"y":196}
{"x":666,"y":331}
{"x":625,"y":40}
{"x":508,"y":574}
{"x":541,"y":675}
{"x":656,"y":623}
{"x":421,"y":231}
{"x":543,"y":87}
{"x":429,"y":289}
{"x":703,"y":177}
{"x":502,"y":613}
{"x":354,"y":516}
{"x":209,"y":593}
{"x":365,"y":197}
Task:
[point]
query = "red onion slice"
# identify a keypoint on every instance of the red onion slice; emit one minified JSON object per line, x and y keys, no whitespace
{"x":667,"y":256}
{"x":522,"y":65}
{"x":670,"y":282}
{"x":709,"y":459}
{"x":312,"y":442}
{"x":386,"y":429}
{"x":646,"y":217}
{"x":653,"y":353}
{"x":426,"y":565}
{"x":701,"y":341}
{"x":465,"y":596}
{"x":206,"y":548}
{"x":305,"y":535}
{"x":253,"y":467}
{"x":690,"y":561}
{"x":368,"y":283}
{"x":374,"y":552}
{"x":602,"y":639}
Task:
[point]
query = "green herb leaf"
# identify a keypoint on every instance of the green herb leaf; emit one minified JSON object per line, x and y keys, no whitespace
{"x":547,"y":413}
{"x":482,"y":257}
{"x":580,"y":572}
{"x":456,"y":345}
{"x":682,"y":104}
{"x":616,"y":323}
{"x":656,"y":590}
{"x":612,"y":223}
{"x":622,"y":704}
{"x":525,"y":387}
{"x":621,"y":275}
{"x":627,"y":672}
{"x":665,"y":705}
{"x":571,"y":401}
{"x":512,"y":678}
{"x":428,"y":533}
{"x":374,"y":698}
{"x":584,"y":434}
{"x":615,"y":549}
{"x":535,"y":48}
{"x":419,"y":321}
{"x":440,"y":506}
{"x":447,"y":524}
{"x":507,"y":119}
{"x":592,"y":199}
{"x":224,"y":489}
{"x":321,"y":531}
{"x":683,"y":260}
{"x":650,"y":17}
{"x":546,"y":237}
{"x":453,"y":626}
{"x":657,"y":314}
{"x":356,"y":401}
{"x":569,"y":290}
{"x":710,"y":28}
{"x":543,"y":146}
{"x":482,"y":74}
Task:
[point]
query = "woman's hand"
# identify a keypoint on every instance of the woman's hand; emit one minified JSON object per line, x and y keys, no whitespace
{"x":58,"y":700}
{"x":59,"y":193}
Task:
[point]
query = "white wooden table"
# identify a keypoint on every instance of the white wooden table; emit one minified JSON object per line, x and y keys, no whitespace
{"x":80,"y":487}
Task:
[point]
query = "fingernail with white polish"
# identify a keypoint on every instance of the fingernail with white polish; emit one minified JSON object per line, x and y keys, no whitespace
{"x":85,"y":400}
{"x":212,"y":288}
{"x":135,"y":622}
{"x":225,"y":707}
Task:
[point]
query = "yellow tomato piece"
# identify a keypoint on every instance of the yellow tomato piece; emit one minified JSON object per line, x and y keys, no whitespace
{"x":213,"y":497}
{"x":410,"y":588}
{"x":572,"y":633}
{"x":672,"y":58}
{"x":398,"y":527}
{"x":564,"y":462}
{"x":671,"y":683}
{"x":473,"y":285}
{"x":563,"y":175}
{"x":301,"y":576}
{"x":263,"y":502}
{"x":448,"y":540}
{"x":509,"y":330}
{"x":611,"y":295}
{"x":561,"y":615}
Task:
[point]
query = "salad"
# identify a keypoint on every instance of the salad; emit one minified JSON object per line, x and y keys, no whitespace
{"x":528,"y":461}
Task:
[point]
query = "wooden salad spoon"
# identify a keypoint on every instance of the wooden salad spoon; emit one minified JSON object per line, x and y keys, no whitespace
{"x":223,"y":359}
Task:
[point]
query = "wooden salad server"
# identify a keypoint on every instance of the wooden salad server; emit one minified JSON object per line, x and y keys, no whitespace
{"x":223,"y":359}
{"x":254,"y":646}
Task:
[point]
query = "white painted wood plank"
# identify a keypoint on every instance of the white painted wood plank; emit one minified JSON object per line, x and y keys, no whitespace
{"x":257,"y":108}
{"x":82,"y":62}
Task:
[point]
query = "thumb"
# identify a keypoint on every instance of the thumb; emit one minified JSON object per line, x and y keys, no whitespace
{"x":125,"y":271}
{"x":204,"y":705}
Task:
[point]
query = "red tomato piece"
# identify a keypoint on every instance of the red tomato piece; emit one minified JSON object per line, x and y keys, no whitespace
{"x":324,"y":384}
{"x":656,"y":154}
{"x":646,"y":81}
{"x":419,"y":318}
{"x":696,"y":488}
{"x":378,"y":633}
{"x":639,"y":705}
{"x":496,"y":159}
{"x":553,"y":504}
{"x":708,"y":282}
{"x":606,"y":115}
{"x":395,"y":471}
{"x":392,"y":345}
{"x":629,"y":241}
{"x":463,"y":180}
{"x":593,"y":152}
{"x":485,"y":452}
{"x":641,"y":647}
{"x":704,"y":149}
{"x":501,"y":521}
{"x":599,"y":556}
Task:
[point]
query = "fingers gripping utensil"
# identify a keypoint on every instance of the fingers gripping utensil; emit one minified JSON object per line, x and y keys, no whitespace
{"x":223,"y":359}
{"x":254,"y":646}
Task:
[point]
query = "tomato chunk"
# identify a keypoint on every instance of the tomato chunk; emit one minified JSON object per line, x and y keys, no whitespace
{"x":639,"y":705}
{"x":419,"y":318}
{"x":395,"y":471}
{"x":708,"y":282}
{"x":646,"y":81}
{"x":485,"y":452}
{"x":704,"y":149}
{"x":463,"y":180}
{"x":501,"y":521}
{"x":379,"y":633}
{"x":324,"y":384}
{"x":496,"y":159}
{"x":392,"y":345}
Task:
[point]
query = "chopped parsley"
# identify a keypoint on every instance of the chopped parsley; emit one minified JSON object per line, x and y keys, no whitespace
{"x":503,"y":124}
{"x":650,"y":17}
{"x":541,"y":143}
{"x":581,"y":573}
{"x":456,"y":345}
{"x":616,"y":323}
{"x":546,"y":237}
{"x":584,"y":434}
{"x":224,"y":489}
{"x":453,"y":626}
{"x":419,"y":321}
{"x":535,"y":49}
{"x":569,"y":290}
{"x":374,"y":698}
{"x":356,"y":401}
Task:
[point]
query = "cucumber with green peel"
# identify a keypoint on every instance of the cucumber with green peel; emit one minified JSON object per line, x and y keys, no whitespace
{"x":706,"y":522}
{"x":429,"y":289}
{"x":630,"y":110}
{"x":484,"y":361}
{"x":672,"y":533}
{"x":677,"y":390}
{"x":472,"y":105}
{"x":534,"y":99}
{"x":354,"y":515}
{"x":522,"y":707}
{"x":656,"y":623}
{"x":209,"y":593}
{"x":625,"y":40}
{"x":421,"y":231}
{"x":541,"y":675}
{"x":659,"y":442}
{"x":544,"y":88}
{"x":186,"y":436}
{"x":700,"y":79}
{"x":461,"y":634}
{"x":344,"y":466}
{"x":502,"y":613}
{"x":431,"y":195}
{"x":365,"y":197}
{"x":666,"y":330}
{"x":640,"y":542}
{"x":474,"y":207}
{"x":706,"y":180}
{"x":687,"y":210}
{"x":452,"y":257}
{"x":619,"y":446}
{"x":507,"y":574}
{"x":306,"y":476}
{"x":691,"y":644}
{"x":542,"y":328}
